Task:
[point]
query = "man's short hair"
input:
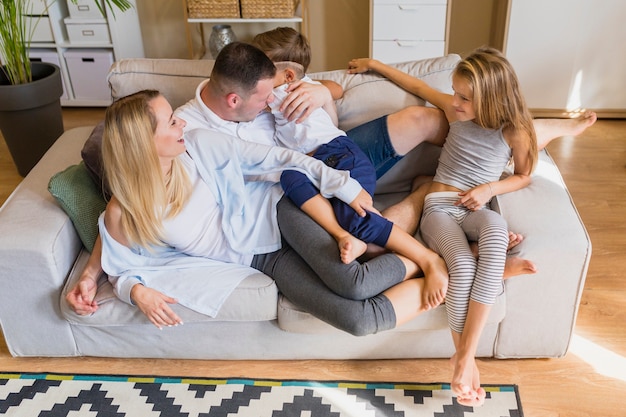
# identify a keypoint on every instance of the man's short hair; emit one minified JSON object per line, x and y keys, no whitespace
{"x":239,"y":67}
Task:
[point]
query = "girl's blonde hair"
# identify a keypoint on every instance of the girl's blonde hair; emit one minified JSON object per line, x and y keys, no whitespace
{"x":497,"y":97}
{"x":133,"y":171}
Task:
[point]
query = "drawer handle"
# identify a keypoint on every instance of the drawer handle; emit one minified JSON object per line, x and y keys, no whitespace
{"x":88,"y":33}
{"x":408,"y":7}
{"x":83,"y":8}
{"x":405,"y":44}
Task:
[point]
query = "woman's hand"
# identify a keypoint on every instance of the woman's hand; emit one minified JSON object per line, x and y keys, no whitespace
{"x":359,"y":65}
{"x":475,"y":198}
{"x":363,"y":203}
{"x":303,"y":98}
{"x":81,"y":297}
{"x":155,"y":306}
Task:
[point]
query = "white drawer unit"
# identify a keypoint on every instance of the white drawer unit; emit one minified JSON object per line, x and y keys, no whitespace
{"x":404,"y":30}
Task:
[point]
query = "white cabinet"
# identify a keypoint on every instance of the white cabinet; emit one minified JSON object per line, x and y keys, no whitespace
{"x":68,"y":31}
{"x":568,"y":54}
{"x":405,"y":30}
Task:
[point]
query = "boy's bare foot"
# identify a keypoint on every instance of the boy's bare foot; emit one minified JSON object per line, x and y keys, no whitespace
{"x":435,"y":281}
{"x":350,"y":248}
{"x":518,"y":266}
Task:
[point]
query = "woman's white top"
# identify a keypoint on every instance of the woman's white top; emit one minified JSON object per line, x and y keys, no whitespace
{"x":227,"y":221}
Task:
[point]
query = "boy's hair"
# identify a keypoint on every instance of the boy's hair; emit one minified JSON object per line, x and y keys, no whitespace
{"x":285,"y":44}
{"x":294,"y":66}
{"x":497,"y":96}
{"x":239,"y":67}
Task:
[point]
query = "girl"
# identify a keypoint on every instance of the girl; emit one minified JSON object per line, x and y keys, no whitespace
{"x":489,"y":125}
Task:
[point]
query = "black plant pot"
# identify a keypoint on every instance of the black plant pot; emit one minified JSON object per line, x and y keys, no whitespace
{"x":31,"y":119}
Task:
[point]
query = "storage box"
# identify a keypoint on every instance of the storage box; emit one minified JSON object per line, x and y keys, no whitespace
{"x":213,"y":9}
{"x":87,"y":32}
{"x":267,"y":9}
{"x":52,"y":57}
{"x":88,"y":70}
{"x":84,"y":9}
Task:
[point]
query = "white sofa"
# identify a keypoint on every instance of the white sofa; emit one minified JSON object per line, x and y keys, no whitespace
{"x":41,"y":255}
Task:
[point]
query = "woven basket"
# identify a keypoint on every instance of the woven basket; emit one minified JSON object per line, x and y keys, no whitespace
{"x":267,"y":9}
{"x":199,"y":9}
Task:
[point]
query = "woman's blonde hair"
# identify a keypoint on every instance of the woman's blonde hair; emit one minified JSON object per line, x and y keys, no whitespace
{"x":133,"y":171}
{"x":497,"y":97}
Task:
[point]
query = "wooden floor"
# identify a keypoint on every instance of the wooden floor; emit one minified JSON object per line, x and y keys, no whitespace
{"x":589,"y":381}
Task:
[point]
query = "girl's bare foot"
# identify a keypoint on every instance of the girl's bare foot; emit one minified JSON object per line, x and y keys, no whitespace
{"x":350,"y":248}
{"x":466,"y":382}
{"x":518,"y":266}
{"x":514,"y":240}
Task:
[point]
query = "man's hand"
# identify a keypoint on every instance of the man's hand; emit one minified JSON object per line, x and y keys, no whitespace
{"x":363,"y":203}
{"x":303,"y":98}
{"x":155,"y":306}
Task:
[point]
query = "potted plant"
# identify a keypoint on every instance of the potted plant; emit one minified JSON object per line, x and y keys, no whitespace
{"x":30,"y":106}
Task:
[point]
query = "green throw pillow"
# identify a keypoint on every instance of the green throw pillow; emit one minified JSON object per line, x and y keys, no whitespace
{"x":78,"y":195}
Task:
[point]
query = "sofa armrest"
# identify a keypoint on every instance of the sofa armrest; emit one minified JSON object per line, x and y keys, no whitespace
{"x":542,"y":308}
{"x":38,"y":247}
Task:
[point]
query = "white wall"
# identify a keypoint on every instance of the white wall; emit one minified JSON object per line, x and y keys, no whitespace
{"x":569,"y":54}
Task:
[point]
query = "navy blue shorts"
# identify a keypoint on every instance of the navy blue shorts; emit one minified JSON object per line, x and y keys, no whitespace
{"x":373,"y":138}
{"x":343,"y":154}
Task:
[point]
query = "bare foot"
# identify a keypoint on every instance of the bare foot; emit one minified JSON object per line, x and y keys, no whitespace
{"x":582,"y":122}
{"x":435,"y":282}
{"x":518,"y":266}
{"x":350,"y":248}
{"x":514,"y":240}
{"x":466,"y":382}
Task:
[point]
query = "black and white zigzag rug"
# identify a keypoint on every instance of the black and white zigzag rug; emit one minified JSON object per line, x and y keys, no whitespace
{"x":60,"y":395}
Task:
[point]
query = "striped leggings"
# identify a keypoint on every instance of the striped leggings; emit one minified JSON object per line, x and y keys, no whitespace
{"x":446,"y":229}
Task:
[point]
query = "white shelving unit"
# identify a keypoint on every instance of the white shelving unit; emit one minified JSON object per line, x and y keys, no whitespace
{"x":201,"y":21}
{"x":101,"y":40}
{"x":406,"y":30}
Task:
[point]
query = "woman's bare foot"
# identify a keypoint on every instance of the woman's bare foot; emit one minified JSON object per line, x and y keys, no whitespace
{"x":466,"y":382}
{"x":518,"y":266}
{"x":350,"y":248}
{"x":435,"y":281}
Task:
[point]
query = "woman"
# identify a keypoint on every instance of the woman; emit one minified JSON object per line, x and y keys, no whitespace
{"x":167,"y":205}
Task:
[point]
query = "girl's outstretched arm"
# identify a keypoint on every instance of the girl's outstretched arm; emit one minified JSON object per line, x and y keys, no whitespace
{"x":407,"y":82}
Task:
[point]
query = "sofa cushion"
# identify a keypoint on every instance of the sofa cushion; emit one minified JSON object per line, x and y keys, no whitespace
{"x":254,"y":299}
{"x":79,"y":197}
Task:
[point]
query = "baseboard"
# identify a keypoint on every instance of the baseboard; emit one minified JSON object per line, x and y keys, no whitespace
{"x":562,"y":113}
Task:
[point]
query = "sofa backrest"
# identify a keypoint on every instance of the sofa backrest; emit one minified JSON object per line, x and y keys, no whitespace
{"x":366,"y":96}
